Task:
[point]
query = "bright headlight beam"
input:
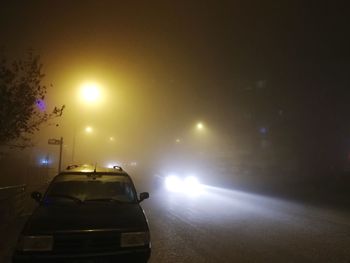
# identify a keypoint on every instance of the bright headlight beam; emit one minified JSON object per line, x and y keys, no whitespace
{"x":173,"y":183}
{"x":190,"y":185}
{"x":191,"y":181}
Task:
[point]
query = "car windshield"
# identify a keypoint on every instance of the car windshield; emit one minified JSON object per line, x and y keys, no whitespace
{"x":82,"y":188}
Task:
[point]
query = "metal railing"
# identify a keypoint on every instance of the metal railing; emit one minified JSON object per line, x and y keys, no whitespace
{"x":12,"y":201}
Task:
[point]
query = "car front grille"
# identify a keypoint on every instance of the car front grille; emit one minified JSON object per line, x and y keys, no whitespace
{"x":89,"y":242}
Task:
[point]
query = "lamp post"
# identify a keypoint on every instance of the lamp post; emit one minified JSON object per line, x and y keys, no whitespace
{"x":88,"y":130}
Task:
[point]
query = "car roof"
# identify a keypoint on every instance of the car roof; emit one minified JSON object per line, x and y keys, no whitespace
{"x":90,"y":169}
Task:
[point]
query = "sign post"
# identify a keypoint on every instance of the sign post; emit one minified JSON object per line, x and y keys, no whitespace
{"x":60,"y":143}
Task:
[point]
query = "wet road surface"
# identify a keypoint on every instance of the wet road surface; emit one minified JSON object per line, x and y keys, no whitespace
{"x":231,"y":226}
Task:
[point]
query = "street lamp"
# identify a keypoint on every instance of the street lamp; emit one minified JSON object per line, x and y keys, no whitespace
{"x":90,"y":92}
{"x":88,"y":129}
{"x":200,"y":126}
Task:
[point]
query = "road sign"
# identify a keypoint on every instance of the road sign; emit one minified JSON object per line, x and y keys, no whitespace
{"x":54,"y":141}
{"x":60,"y":143}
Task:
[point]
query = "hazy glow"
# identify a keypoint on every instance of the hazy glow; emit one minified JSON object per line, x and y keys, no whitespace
{"x":90,"y":92}
{"x":111,"y":165}
{"x":189,"y":186}
{"x":173,"y":183}
{"x":114,"y":163}
{"x":44,"y":161}
{"x":111,"y":139}
{"x":200,"y":126}
{"x":89,"y":129}
{"x":192,"y":185}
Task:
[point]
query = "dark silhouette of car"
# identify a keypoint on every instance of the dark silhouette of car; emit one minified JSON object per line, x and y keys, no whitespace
{"x":86,"y":215}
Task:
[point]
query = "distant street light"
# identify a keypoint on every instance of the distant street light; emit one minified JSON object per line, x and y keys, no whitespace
{"x":111,"y":139}
{"x":200,"y":126}
{"x":89,"y":129}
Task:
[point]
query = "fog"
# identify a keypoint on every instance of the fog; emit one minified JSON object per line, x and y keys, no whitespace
{"x":270,"y":97}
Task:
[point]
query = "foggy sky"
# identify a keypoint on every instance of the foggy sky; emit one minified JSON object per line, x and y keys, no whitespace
{"x":166,"y":65}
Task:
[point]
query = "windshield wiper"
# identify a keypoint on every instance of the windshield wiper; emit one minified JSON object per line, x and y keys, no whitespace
{"x":106,"y":200}
{"x":67,"y":197}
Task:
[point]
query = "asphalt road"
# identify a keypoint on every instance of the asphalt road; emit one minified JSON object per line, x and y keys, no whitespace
{"x":231,"y":226}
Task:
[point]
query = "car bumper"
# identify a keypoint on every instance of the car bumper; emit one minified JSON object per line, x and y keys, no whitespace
{"x":135,"y":255}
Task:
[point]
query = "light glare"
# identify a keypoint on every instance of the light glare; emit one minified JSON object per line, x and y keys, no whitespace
{"x":192,"y":186}
{"x":88,"y":129}
{"x":189,"y":186}
{"x":173,"y":183}
{"x":112,"y":164}
{"x":200,"y":126}
{"x":90,"y":92}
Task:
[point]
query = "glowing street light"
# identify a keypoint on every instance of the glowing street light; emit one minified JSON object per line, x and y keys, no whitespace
{"x":112,"y":139}
{"x":90,"y":92}
{"x":88,"y":129}
{"x":200,"y":126}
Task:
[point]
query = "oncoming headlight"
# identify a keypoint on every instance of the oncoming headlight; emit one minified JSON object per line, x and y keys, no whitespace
{"x":173,"y":183}
{"x":134,"y":239}
{"x":191,"y":182}
{"x":35,"y":243}
{"x":190,"y":185}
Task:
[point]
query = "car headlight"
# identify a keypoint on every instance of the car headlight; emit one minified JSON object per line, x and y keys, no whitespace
{"x":189,"y":185}
{"x":134,"y":239}
{"x":173,"y":183}
{"x":191,"y":182}
{"x":35,"y":243}
{"x":192,"y":186}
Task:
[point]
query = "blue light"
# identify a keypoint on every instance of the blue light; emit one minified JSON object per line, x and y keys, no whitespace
{"x":44,"y":161}
{"x":41,"y":105}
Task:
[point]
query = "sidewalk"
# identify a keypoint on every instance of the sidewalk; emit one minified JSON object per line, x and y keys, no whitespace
{"x":10,"y":231}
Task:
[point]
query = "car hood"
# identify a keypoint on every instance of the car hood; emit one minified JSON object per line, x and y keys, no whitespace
{"x":87,"y":216}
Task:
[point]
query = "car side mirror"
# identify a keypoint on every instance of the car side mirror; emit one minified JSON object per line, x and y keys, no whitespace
{"x":37,"y":196}
{"x":143,"y":196}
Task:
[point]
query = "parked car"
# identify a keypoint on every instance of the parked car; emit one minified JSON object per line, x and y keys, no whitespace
{"x":87,"y":214}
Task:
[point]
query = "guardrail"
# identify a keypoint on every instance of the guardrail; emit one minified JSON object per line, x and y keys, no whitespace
{"x":12,"y":201}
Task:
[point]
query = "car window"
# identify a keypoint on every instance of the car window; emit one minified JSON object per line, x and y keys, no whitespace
{"x":84,"y":188}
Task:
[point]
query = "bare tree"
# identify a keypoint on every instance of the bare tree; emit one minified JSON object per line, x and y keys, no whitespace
{"x":22,"y":106}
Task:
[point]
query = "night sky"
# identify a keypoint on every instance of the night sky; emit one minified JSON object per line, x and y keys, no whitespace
{"x":174,"y":63}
